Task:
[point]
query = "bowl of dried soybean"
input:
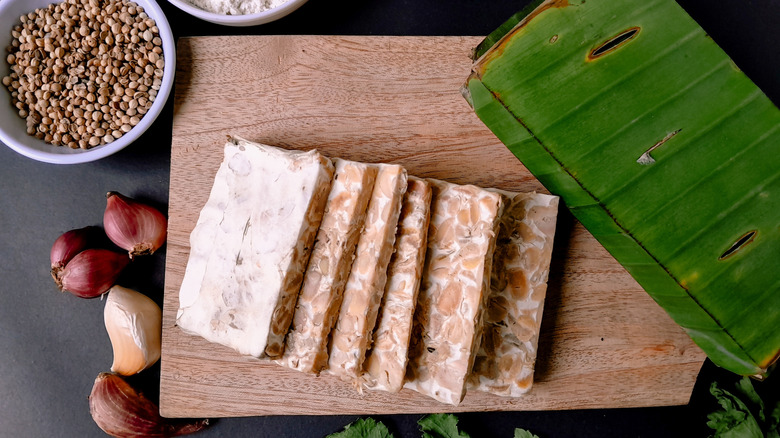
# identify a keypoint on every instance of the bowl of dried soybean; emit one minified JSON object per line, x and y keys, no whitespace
{"x":81,"y":79}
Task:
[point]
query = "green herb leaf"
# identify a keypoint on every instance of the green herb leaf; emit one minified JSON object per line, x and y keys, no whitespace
{"x":522,"y":433}
{"x":774,"y":422}
{"x":735,"y":420}
{"x":363,"y":428}
{"x":745,"y":386}
{"x":441,"y":426}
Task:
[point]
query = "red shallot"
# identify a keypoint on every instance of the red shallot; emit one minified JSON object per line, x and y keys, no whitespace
{"x":91,"y":272}
{"x":68,"y":245}
{"x":121,"y":411}
{"x":134,"y":226}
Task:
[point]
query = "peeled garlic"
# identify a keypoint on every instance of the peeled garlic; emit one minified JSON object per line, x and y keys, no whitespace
{"x":134,"y":325}
{"x":121,"y":411}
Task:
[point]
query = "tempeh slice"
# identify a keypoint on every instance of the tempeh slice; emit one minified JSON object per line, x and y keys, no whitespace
{"x":455,"y":285}
{"x":507,"y":355}
{"x":386,"y":363}
{"x":326,"y":275}
{"x":366,"y":284}
{"x":251,"y":244}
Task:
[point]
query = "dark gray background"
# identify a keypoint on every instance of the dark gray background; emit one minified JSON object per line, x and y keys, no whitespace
{"x":52,"y":345}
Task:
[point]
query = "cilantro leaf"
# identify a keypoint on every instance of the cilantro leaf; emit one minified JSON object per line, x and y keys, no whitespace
{"x":774,"y":422}
{"x":363,"y":428}
{"x":745,"y":386}
{"x":441,"y":426}
{"x":522,"y":433}
{"x":735,"y":419}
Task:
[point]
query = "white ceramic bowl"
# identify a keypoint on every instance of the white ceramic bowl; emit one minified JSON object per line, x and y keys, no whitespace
{"x":240,"y":20}
{"x":13,"y":129}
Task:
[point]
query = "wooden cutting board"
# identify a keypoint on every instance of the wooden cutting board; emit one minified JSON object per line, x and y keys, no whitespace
{"x":604,"y":342}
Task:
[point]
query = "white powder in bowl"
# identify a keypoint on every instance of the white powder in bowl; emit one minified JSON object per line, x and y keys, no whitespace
{"x":236,"y":7}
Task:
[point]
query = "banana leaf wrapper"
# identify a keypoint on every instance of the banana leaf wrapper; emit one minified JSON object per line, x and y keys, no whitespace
{"x":664,"y":150}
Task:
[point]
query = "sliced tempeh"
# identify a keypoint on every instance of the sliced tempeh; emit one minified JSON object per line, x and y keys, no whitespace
{"x":251,"y":244}
{"x":326,"y":275}
{"x":386,"y":364}
{"x":455,"y":285}
{"x":505,"y":361}
{"x":366,"y":284}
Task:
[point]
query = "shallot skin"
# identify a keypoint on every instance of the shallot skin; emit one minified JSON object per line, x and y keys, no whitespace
{"x":91,"y":272}
{"x":68,"y":244}
{"x":138,"y":228}
{"x":120,"y":411}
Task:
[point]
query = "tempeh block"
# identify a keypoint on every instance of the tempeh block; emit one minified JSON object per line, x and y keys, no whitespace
{"x":366,"y":284}
{"x":250,"y":246}
{"x":385,"y":366}
{"x":326,"y":275}
{"x":454,"y":288}
{"x":521,"y":263}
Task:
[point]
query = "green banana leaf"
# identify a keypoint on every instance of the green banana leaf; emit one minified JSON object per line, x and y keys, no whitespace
{"x":664,"y":150}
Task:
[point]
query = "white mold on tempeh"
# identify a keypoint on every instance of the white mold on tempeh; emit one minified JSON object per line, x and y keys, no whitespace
{"x":251,"y":244}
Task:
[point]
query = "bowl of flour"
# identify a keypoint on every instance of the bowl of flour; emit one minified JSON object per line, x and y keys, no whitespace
{"x":238,"y":12}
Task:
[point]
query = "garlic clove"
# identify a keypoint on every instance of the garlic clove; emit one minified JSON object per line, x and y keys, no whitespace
{"x":134,"y":226}
{"x":121,"y":411}
{"x":68,"y":245}
{"x":134,"y":325}
{"x":91,"y":272}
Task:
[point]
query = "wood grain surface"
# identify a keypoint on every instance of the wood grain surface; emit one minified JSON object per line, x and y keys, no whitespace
{"x":604,"y":342}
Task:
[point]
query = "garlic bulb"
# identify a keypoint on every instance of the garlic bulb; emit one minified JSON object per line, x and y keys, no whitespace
{"x":134,"y":325}
{"x":121,"y":411}
{"x":134,"y":226}
{"x":91,"y":272}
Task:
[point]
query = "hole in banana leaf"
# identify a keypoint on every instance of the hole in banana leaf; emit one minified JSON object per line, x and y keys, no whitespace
{"x":613,"y":43}
{"x":646,"y":158}
{"x":739,"y":244}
